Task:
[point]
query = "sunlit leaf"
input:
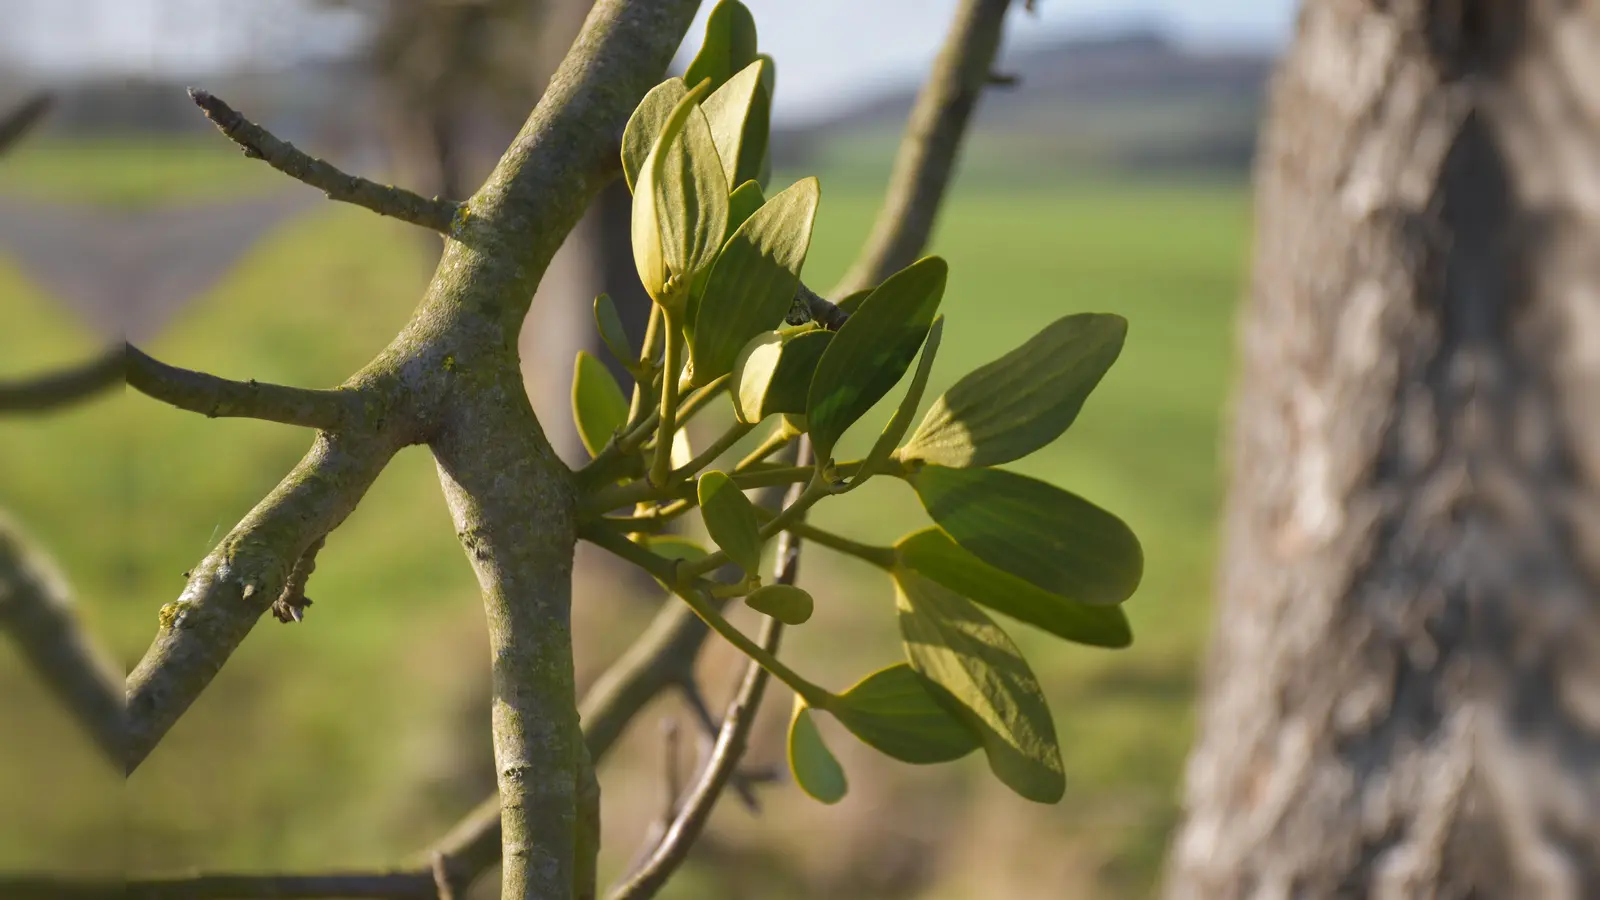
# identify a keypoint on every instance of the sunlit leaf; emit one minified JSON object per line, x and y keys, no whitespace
{"x":731,"y":520}
{"x":954,"y":645}
{"x":680,"y":205}
{"x":1036,"y":531}
{"x":645,"y":125}
{"x":815,"y":769}
{"x":729,"y":45}
{"x":773,"y":373}
{"x":727,"y":110}
{"x":784,"y":602}
{"x":598,"y":407}
{"x":895,"y":711}
{"x":1022,"y":401}
{"x":905,"y":412}
{"x":932,"y":554}
{"x":870,"y":354}
{"x":752,"y":284}
{"x":755,"y":162}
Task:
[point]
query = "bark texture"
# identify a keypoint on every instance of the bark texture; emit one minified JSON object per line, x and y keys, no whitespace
{"x":1403,"y":696}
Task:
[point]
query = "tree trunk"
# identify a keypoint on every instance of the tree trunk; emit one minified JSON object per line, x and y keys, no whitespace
{"x":1403,"y":695}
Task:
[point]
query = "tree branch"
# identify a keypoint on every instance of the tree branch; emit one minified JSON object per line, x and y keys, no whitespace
{"x":928,"y":152}
{"x":258,"y":143}
{"x":215,"y":397}
{"x":36,"y":608}
{"x":58,"y":389}
{"x":241,"y":578}
{"x":21,"y":120}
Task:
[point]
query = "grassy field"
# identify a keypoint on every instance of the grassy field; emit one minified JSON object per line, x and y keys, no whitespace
{"x":356,"y":737}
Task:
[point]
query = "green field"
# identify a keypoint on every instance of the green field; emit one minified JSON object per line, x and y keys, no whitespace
{"x":356,"y":737}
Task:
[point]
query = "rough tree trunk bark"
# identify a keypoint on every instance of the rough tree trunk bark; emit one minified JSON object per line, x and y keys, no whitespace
{"x":1403,"y":696}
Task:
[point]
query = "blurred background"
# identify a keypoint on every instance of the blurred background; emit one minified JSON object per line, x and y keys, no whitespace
{"x":1112,"y":176}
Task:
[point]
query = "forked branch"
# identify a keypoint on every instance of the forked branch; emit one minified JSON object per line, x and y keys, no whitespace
{"x":387,"y":200}
{"x":216,"y":397}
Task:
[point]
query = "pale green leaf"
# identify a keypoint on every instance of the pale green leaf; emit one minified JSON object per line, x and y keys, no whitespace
{"x":674,"y":547}
{"x":932,"y":554}
{"x":873,"y":349}
{"x":753,"y":281}
{"x":954,"y":645}
{"x":646,"y":124}
{"x":815,"y":769}
{"x":1034,"y":530}
{"x":773,"y":373}
{"x":680,"y":205}
{"x":598,"y":407}
{"x":1022,"y":401}
{"x":731,"y":520}
{"x":895,"y":711}
{"x":784,"y":602}
{"x":727,"y":111}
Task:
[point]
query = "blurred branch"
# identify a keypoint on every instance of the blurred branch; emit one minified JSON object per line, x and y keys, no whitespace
{"x":928,"y":152}
{"x":220,"y":397}
{"x":259,"y":143}
{"x":679,"y":836}
{"x":417,"y":885}
{"x":36,"y":607}
{"x":58,"y":389}
{"x":21,"y":120}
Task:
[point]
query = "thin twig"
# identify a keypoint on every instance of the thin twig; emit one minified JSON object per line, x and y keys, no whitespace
{"x":217,"y":397}
{"x":259,"y":143}
{"x":46,"y":393}
{"x":21,"y":120}
{"x":932,"y":143}
{"x":36,"y":608}
{"x":674,"y":846}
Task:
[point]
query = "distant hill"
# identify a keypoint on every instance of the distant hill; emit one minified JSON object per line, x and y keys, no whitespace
{"x":1130,"y":101}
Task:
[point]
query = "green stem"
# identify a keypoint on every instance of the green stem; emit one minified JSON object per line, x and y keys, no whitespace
{"x":709,"y":455}
{"x":617,"y":496}
{"x":882,"y":557}
{"x":643,"y":386}
{"x":689,"y":590}
{"x":780,"y":438}
{"x":661,"y":468}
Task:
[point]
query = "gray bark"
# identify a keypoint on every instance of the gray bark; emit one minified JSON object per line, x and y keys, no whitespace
{"x":1403,"y":695}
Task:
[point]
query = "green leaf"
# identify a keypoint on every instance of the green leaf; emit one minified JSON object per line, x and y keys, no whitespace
{"x":932,"y":554}
{"x":645,"y":125}
{"x":957,"y":647}
{"x":728,"y":110}
{"x":674,"y":547}
{"x":784,"y":602}
{"x":753,"y":281}
{"x":729,"y":46}
{"x":901,"y":420}
{"x":731,"y":520}
{"x":773,"y":373}
{"x":598,"y":407}
{"x":1022,"y":401}
{"x":754,"y":160}
{"x":871,"y":352}
{"x":742,"y":204}
{"x":895,"y":711}
{"x":680,"y":205}
{"x":1034,"y":530}
{"x":612,"y":334}
{"x":815,"y":769}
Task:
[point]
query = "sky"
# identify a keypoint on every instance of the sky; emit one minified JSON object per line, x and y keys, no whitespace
{"x":823,"y":48}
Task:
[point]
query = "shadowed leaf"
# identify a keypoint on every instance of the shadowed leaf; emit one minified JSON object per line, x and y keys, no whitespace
{"x":873,"y":349}
{"x":957,"y":647}
{"x":598,"y":407}
{"x":905,"y":412}
{"x":773,"y":373}
{"x":784,"y":602}
{"x":894,"y":711}
{"x":731,"y":520}
{"x":815,"y":769}
{"x":609,"y":324}
{"x":1036,"y":531}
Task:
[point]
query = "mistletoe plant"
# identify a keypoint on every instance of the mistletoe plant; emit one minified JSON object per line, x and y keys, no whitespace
{"x":724,"y":263}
